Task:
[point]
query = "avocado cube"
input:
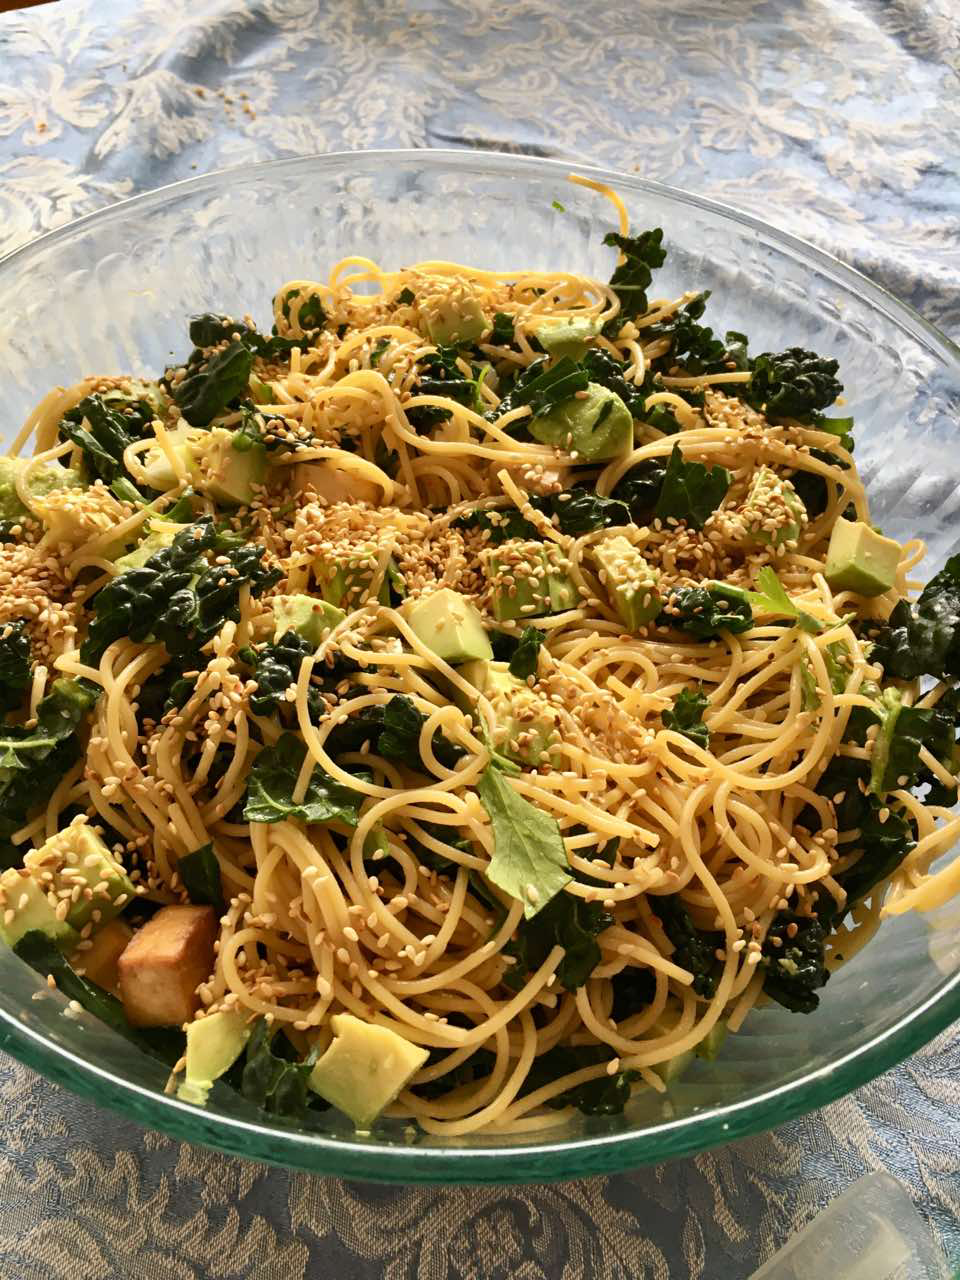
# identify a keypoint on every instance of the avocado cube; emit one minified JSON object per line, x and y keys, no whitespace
{"x":567,"y":335}
{"x":44,"y":479}
{"x":103,"y":951}
{"x":165,"y":962}
{"x":527,"y":580}
{"x":364,"y":1068}
{"x":452,"y":314}
{"x":860,"y":559}
{"x":227,"y":465}
{"x":595,"y":425}
{"x":630,"y":581}
{"x":450,"y":625}
{"x":214,"y":1043}
{"x":526,"y":725}
{"x":310,"y":618}
{"x":33,"y":907}
{"x":346,"y":581}
{"x":159,"y":472}
{"x":334,"y":484}
{"x":771,"y":499}
{"x":77,"y":859}
{"x":156,"y":540}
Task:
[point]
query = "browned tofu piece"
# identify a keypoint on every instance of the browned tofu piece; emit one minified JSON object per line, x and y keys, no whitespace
{"x":98,"y":962}
{"x":164,"y":964}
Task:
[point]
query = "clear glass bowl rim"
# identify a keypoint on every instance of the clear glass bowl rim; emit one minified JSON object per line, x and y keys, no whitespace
{"x":578,"y":1156}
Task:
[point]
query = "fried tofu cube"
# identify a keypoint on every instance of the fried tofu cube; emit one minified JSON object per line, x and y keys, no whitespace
{"x":166,"y":961}
{"x":99,"y":961}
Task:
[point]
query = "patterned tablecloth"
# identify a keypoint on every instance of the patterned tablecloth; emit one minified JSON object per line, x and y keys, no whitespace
{"x":837,"y":119}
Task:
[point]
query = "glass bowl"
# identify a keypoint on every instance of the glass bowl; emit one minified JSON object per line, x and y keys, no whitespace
{"x":110,"y":293}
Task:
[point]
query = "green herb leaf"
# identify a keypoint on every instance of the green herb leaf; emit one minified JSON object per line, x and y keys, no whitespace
{"x":529,"y":858}
{"x":694,"y":949}
{"x":925,"y":639}
{"x":793,"y":384}
{"x":691,"y":491}
{"x":543,"y":388}
{"x":566,"y":921}
{"x":772,"y":598}
{"x":276,"y":1084}
{"x":632,"y":277}
{"x":793,"y":956}
{"x":524,"y":661}
{"x":200,"y":874}
{"x":686,"y":716}
{"x":15,"y":666}
{"x":707,"y":611}
{"x":273,"y":779}
{"x":605,"y":1096}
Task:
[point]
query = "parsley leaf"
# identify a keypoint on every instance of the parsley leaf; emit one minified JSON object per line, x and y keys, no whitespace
{"x":772,"y":598}
{"x":529,"y":858}
{"x":523,"y":663}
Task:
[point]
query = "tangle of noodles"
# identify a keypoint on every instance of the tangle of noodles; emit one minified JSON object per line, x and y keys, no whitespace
{"x":394,"y":920}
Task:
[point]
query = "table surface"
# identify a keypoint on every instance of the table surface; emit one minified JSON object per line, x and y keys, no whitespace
{"x":836,"y":119}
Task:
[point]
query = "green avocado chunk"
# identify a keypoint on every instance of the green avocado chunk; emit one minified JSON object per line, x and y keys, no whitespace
{"x":310,"y":618}
{"x":214,"y":1043}
{"x":567,"y":335}
{"x":44,"y":479}
{"x":450,"y":625}
{"x":527,"y":580}
{"x":860,"y":559}
{"x":526,"y":724}
{"x":78,"y":856}
{"x":23,"y":895}
{"x":364,"y":1068}
{"x":772,"y":499}
{"x":596,"y":425}
{"x":630,"y":581}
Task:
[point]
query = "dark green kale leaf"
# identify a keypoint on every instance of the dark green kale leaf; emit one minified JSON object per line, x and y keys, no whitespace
{"x":273,"y":1078}
{"x":634,"y":989}
{"x":793,"y":957}
{"x":37,"y":950}
{"x":15,"y":666}
{"x":694,"y":949}
{"x":566,"y":921}
{"x":693,"y":346}
{"x":166,"y":690}
{"x":503,"y":333}
{"x":523,"y":662}
{"x":440,"y":375}
{"x":502,"y":523}
{"x":102,"y":429}
{"x":212,"y":383}
{"x":578,"y":511}
{"x":895,"y":760}
{"x":177,"y":597}
{"x":605,"y":1096}
{"x":543,"y":388}
{"x":691,"y":492}
{"x":211,"y":330}
{"x":640,"y":489}
{"x":941,"y":741}
{"x":686,"y":716}
{"x":793,"y":384}
{"x":276,"y":667}
{"x":642,"y":255}
{"x":405,"y":297}
{"x":273,"y":780}
{"x":393,"y":730}
{"x":477,"y":1067}
{"x":705,"y":612}
{"x":602,"y":368}
{"x":199,"y":873}
{"x":34,"y":761}
{"x":924,"y":639}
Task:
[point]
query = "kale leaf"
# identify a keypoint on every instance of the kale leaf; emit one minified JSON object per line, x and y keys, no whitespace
{"x":642,"y":254}
{"x":566,"y":921}
{"x":634,"y":989}
{"x":199,"y":873}
{"x":686,"y":716}
{"x":605,"y":1096}
{"x":693,"y":346}
{"x":503,"y":333}
{"x":272,"y":782}
{"x":578,"y":511}
{"x":276,"y":667}
{"x":440,"y":375}
{"x":691,"y":492}
{"x":608,"y":372}
{"x":15,"y":667}
{"x":640,"y":489}
{"x":102,"y":431}
{"x":543,"y":388}
{"x":793,"y":957}
{"x":924,"y":639}
{"x":393,"y":730}
{"x":502,"y":523}
{"x":705,"y":612}
{"x":176,"y":597}
{"x":212,"y":383}
{"x":793,"y":384}
{"x":274,"y":1082}
{"x":693,"y":948}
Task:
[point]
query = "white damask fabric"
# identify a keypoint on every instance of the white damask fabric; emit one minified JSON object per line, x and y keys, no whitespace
{"x":836,"y":119}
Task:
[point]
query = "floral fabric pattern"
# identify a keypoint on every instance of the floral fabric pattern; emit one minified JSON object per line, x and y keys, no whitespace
{"x":838,"y":120}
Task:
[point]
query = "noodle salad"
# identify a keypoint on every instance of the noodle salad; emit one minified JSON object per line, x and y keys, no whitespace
{"x":463,"y":703}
